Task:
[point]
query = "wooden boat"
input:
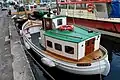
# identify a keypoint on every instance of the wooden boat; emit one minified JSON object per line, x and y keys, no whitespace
{"x":99,"y":14}
{"x":68,"y":47}
{"x":21,"y":19}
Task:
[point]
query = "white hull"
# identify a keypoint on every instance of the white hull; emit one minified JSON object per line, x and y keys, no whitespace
{"x":101,"y":66}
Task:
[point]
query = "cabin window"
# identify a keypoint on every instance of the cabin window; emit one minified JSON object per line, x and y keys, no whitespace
{"x":59,"y":22}
{"x":100,"y":8}
{"x":83,"y":6}
{"x":63,"y":6}
{"x":27,"y":8}
{"x":71,"y":6}
{"x":80,"y":6}
{"x":69,"y":49}
{"x":49,"y":44}
{"x":87,"y":43}
{"x":47,"y":23}
{"x":58,"y":47}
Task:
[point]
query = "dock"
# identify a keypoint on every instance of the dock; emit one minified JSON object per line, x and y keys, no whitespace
{"x":14,"y":64}
{"x":20,"y":64}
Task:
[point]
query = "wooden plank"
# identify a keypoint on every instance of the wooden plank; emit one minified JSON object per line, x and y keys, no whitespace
{"x":33,"y":23}
{"x":87,"y":59}
{"x":22,"y":12}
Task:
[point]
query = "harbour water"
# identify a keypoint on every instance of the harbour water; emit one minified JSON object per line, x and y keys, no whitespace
{"x":112,"y":44}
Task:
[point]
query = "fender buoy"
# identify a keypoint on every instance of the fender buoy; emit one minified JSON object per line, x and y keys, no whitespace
{"x":90,"y":7}
{"x":66,"y":27}
{"x":21,"y":32}
{"x":48,"y":62}
{"x":27,"y":45}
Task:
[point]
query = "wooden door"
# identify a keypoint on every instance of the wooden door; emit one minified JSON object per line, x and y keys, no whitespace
{"x":89,"y":46}
{"x":47,"y":23}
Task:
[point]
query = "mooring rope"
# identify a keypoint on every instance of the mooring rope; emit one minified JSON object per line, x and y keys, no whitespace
{"x":100,"y":70}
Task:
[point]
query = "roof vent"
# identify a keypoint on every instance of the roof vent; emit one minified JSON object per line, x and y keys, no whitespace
{"x":90,"y":31}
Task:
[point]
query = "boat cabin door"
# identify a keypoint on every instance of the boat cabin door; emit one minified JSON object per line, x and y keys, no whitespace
{"x":89,"y":46}
{"x":47,"y":24}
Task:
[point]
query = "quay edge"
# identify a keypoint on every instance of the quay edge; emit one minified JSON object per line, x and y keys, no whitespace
{"x":21,"y":66}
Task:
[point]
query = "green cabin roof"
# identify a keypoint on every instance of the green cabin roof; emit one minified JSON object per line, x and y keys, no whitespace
{"x":77,"y":35}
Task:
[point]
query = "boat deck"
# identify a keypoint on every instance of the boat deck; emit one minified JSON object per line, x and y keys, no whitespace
{"x":33,"y":24}
{"x":87,"y":59}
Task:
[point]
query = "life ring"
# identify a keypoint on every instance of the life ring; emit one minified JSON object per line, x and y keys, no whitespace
{"x":90,"y":7}
{"x":66,"y":27}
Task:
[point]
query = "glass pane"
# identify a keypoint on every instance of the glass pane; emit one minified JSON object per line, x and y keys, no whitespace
{"x":63,"y":6}
{"x":100,"y":8}
{"x":49,"y":44}
{"x":69,"y":49}
{"x":59,"y":22}
{"x":58,"y":47}
{"x":87,"y":43}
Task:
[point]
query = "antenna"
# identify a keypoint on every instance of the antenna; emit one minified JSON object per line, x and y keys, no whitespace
{"x":49,"y":13}
{"x":58,"y":9}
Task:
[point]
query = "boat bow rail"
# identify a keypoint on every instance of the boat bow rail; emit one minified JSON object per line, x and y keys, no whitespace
{"x":83,"y":2}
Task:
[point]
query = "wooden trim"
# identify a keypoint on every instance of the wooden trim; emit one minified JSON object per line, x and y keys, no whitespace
{"x":87,"y":59}
{"x":34,"y":24}
{"x":57,"y":56}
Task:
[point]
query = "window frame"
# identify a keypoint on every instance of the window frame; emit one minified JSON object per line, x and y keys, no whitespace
{"x":99,"y":8}
{"x":49,"y":44}
{"x":58,"y":46}
{"x":68,"y":51}
{"x":59,"y":22}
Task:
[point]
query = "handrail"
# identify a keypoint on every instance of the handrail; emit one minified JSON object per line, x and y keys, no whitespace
{"x":85,"y":2}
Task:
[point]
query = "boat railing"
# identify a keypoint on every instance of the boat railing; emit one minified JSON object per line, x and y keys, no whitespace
{"x":77,"y":13}
{"x":31,"y":23}
{"x":84,"y":1}
{"x":104,"y":51}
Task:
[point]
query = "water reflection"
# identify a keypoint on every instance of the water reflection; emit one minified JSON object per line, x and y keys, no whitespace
{"x":112,"y":44}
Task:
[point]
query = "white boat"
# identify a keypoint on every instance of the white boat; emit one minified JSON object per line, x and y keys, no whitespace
{"x":68,"y":47}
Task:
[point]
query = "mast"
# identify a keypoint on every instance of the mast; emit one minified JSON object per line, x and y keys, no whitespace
{"x":58,"y":9}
